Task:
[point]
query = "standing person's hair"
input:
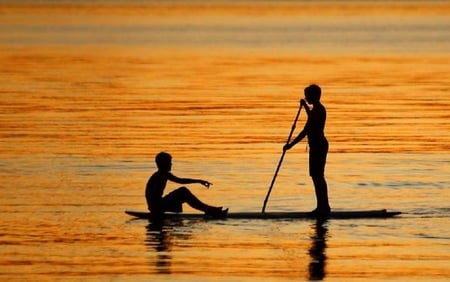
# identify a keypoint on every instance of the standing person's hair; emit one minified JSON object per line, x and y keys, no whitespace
{"x":313,"y":92}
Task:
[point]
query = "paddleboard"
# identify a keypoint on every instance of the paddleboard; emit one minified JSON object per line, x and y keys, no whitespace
{"x":278,"y":215}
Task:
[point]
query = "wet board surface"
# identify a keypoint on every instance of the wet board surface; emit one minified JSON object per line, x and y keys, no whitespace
{"x":279,"y":215}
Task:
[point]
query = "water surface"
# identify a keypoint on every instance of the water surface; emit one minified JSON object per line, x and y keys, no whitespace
{"x":91,"y":92}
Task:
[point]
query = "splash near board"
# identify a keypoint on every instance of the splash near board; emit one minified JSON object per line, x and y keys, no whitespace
{"x":279,"y":215}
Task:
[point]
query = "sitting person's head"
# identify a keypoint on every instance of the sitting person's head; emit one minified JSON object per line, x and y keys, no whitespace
{"x":164,"y":161}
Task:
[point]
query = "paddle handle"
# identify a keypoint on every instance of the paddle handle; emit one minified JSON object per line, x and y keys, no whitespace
{"x":281,"y":160}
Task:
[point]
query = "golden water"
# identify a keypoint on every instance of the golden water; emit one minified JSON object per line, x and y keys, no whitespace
{"x":91,"y":92}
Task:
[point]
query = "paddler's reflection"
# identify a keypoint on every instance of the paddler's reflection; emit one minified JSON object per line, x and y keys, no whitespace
{"x":317,"y":250}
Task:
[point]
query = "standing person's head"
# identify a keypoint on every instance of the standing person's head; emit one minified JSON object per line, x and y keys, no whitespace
{"x":164,"y":161}
{"x":312,"y":93}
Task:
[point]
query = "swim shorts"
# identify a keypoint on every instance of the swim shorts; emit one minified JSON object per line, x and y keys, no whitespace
{"x":317,"y":159}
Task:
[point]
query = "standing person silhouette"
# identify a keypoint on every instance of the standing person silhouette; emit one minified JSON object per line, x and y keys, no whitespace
{"x":172,"y":202}
{"x":318,"y":146}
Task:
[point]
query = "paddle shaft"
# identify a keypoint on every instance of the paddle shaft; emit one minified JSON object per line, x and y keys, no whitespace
{"x":281,"y":160}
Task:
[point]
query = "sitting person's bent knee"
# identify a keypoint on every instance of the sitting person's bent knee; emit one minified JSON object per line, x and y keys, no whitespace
{"x":184,"y":191}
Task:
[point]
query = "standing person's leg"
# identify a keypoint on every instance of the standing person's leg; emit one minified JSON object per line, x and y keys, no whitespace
{"x":317,"y":161}
{"x":321,"y":191}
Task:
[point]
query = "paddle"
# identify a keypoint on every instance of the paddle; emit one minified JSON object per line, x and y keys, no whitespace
{"x":281,"y":160}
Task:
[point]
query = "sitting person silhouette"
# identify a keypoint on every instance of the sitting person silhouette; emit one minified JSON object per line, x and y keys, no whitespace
{"x":318,"y":146}
{"x":172,"y":202}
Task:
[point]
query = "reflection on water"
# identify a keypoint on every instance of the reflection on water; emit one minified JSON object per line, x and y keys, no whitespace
{"x":158,"y":240}
{"x":317,"y":250}
{"x":163,"y":237}
{"x":169,"y":240}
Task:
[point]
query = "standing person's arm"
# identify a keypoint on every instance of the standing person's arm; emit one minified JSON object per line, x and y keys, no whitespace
{"x":297,"y":139}
{"x":305,"y":106}
{"x":305,"y":130}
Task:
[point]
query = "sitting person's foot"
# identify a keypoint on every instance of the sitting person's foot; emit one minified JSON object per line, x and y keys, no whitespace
{"x":224,"y":212}
{"x":217,"y":212}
